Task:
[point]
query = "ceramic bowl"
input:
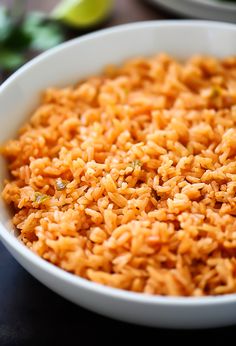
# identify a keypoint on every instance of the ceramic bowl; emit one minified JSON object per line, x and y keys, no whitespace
{"x":66,"y":64}
{"x":204,"y":9}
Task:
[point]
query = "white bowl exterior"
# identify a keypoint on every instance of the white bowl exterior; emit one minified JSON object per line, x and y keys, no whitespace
{"x":167,"y":312}
{"x":204,"y":9}
{"x":67,"y":64}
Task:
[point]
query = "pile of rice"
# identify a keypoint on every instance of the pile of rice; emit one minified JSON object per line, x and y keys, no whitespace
{"x":128,"y":179}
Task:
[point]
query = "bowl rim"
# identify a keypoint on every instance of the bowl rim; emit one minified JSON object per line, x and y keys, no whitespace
{"x":214,"y":4}
{"x":206,"y":4}
{"x":16,"y":246}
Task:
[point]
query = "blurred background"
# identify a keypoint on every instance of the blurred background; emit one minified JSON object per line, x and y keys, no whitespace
{"x":28,"y":27}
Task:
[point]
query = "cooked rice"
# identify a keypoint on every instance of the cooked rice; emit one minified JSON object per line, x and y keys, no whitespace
{"x":128,"y":179}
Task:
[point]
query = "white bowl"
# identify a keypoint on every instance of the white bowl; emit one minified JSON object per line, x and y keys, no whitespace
{"x":204,"y":9}
{"x":64,"y":65}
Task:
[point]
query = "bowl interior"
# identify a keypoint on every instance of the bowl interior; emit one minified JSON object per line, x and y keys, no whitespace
{"x":88,"y":55}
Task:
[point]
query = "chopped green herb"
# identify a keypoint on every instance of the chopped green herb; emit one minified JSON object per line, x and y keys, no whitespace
{"x":61,"y":184}
{"x":216,"y":91}
{"x":155,"y":195}
{"x":40,"y":197}
{"x":135,"y":164}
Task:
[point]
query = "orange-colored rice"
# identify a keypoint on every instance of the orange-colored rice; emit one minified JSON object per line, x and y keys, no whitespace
{"x":128,"y":179}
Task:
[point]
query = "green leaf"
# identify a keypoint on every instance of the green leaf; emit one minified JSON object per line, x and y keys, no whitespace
{"x":45,"y":34}
{"x":32,"y":21}
{"x":35,"y":32}
{"x":12,"y":36}
{"x":18,"y":39}
{"x":5,"y":24}
{"x":47,"y":37}
{"x":10,"y":60}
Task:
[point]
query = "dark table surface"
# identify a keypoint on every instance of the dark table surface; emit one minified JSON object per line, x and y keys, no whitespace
{"x":31,"y":314}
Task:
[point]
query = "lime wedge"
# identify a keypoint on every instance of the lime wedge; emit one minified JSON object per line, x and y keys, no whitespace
{"x":82,"y":13}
